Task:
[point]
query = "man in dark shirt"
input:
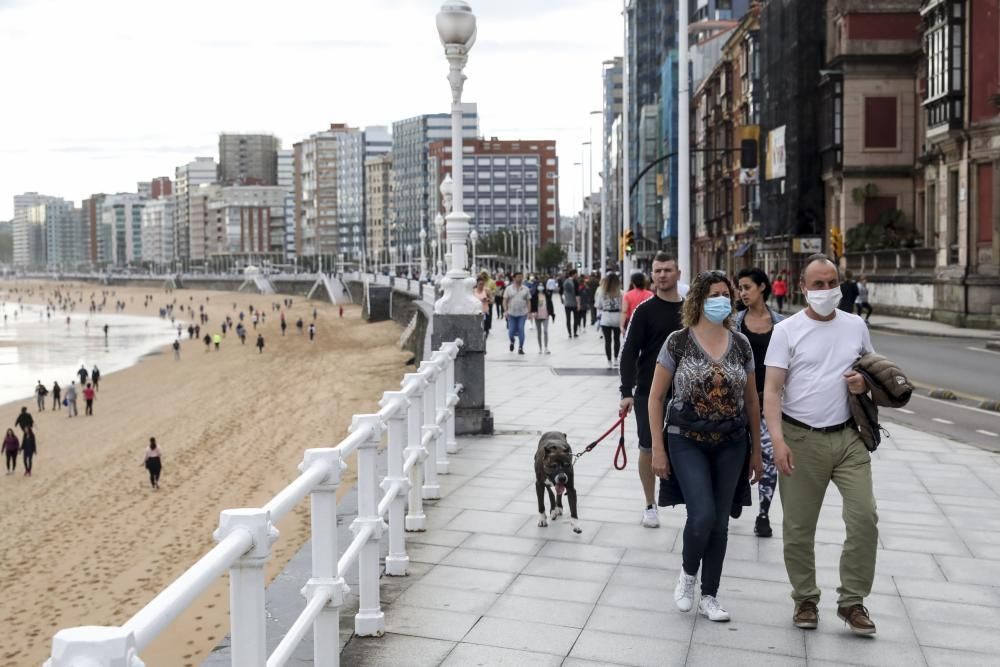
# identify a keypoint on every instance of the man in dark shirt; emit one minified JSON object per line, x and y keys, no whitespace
{"x":24,"y":420}
{"x":848,"y":293}
{"x":651,"y":323}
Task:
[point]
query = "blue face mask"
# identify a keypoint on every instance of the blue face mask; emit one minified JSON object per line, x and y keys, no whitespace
{"x":718,"y":308}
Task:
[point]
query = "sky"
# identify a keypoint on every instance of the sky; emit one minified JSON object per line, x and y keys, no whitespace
{"x":101,"y":94}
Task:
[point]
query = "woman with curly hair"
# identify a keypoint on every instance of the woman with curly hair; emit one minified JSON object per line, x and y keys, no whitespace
{"x":714,"y":403}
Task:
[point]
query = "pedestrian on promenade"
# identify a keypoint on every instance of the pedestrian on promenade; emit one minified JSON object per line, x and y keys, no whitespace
{"x":217,"y":341}
{"x":260,"y":343}
{"x":710,"y":369}
{"x":312,"y":331}
{"x":780,"y":289}
{"x":153,"y":461}
{"x":585,"y":297}
{"x":609,"y":303}
{"x":862,"y":303}
{"x":539,"y":313}
{"x":88,"y":399}
{"x":806,"y":392}
{"x":28,"y":449}
{"x":501,"y":285}
{"x":40,"y":393}
{"x":56,"y":396}
{"x":653,"y":321}
{"x":11,"y":445}
{"x":95,"y":377}
{"x":636,"y":294}
{"x":848,"y":293}
{"x":24,"y":420}
{"x":483,"y":295}
{"x":177,"y":349}
{"x":71,"y":399}
{"x":756,"y":322}
{"x":517,"y":304}
{"x":571,"y":304}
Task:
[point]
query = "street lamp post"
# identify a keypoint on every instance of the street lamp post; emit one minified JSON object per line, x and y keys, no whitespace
{"x":456,"y":26}
{"x":474,"y":236}
{"x":409,"y":260}
{"x":438,"y":245}
{"x":423,"y":256}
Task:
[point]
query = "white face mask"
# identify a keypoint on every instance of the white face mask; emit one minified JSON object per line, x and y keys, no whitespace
{"x":824,"y":301}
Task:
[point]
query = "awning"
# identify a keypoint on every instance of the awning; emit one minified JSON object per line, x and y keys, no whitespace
{"x":743,"y":249}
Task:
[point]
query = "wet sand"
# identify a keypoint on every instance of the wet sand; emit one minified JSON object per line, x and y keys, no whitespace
{"x":85,"y":541}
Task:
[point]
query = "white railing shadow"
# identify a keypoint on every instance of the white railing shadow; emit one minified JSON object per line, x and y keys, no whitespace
{"x":420,"y":423}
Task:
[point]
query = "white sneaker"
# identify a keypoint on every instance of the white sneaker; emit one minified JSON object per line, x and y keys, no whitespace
{"x":650,"y":518}
{"x":684,"y":592}
{"x":709,"y":608}
{"x":609,"y":363}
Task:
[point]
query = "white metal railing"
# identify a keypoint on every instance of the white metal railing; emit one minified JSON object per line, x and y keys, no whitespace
{"x":420,"y":423}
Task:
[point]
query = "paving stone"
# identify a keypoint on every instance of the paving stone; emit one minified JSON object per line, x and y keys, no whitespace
{"x":615,"y":535}
{"x":448,"y":599}
{"x":438,"y":537}
{"x":533,"y":609}
{"x":672,"y":625}
{"x":609,"y":648}
{"x":476,"y":521}
{"x":952,"y":635}
{"x":629,"y":575}
{"x":969,"y":570}
{"x":504,"y":543}
{"x":945,"y":657}
{"x":971,"y":594}
{"x":741,"y":634}
{"x":701,"y":655}
{"x":430,"y":623}
{"x":427,"y":553}
{"x":597,"y":554}
{"x":468,"y":579}
{"x":486,"y":560}
{"x":523,"y":636}
{"x":956,"y":612}
{"x":846,"y":648}
{"x":556,"y":589}
{"x":492,"y":656}
{"x":392,"y":649}
{"x":635,"y":597}
{"x":561,"y":568}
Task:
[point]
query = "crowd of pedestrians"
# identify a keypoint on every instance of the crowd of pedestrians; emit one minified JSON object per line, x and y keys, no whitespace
{"x":728,"y":390}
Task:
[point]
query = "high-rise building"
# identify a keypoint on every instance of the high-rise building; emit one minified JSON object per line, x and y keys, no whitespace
{"x":91,"y":212}
{"x":286,"y":180}
{"x":378,"y":204}
{"x":248,"y":159}
{"x":161,"y":186}
{"x":29,"y":231}
{"x":158,"y":231}
{"x":506,"y":183}
{"x":188,"y":178}
{"x":238,"y":225}
{"x":122,"y":217}
{"x":415,"y":194}
{"x":611,"y":111}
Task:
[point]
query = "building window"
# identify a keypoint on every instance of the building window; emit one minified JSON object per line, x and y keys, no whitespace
{"x":881,"y":123}
{"x":876,"y":206}
{"x":944,"y":45}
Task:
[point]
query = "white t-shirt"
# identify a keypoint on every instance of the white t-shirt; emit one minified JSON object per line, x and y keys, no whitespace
{"x":552,"y":285}
{"x":518,"y":300}
{"x":816,"y":355}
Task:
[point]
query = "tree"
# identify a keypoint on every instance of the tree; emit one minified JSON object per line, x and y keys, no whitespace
{"x":550,"y":256}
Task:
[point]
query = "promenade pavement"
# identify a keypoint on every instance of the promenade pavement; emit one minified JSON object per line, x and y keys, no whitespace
{"x":487,"y":586}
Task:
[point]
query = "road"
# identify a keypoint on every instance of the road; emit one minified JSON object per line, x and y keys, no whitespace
{"x":965,"y":367}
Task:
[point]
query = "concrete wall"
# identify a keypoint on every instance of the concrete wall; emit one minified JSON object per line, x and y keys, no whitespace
{"x":404,"y":307}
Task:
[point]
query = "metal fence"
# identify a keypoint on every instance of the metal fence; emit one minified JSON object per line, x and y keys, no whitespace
{"x":419,"y":421}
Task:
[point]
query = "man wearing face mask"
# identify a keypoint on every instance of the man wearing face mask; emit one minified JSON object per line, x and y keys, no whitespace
{"x":806,"y":391}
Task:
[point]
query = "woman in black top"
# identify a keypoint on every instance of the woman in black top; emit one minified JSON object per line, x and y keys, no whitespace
{"x":756,"y":322}
{"x":28,"y":449}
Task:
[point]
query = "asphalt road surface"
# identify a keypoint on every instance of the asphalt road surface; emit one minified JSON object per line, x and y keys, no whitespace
{"x":963,"y":366}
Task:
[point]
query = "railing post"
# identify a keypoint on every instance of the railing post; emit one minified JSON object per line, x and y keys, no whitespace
{"x":325,"y":554}
{"x":432,"y":489}
{"x":396,"y":562}
{"x":452,"y":396}
{"x":370,"y":620}
{"x":415,"y":384}
{"x":246,"y":584}
{"x":94,"y":646}
{"x":441,"y":416}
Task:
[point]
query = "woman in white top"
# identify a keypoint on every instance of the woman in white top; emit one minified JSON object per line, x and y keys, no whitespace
{"x":153,"y":463}
{"x":609,"y":303}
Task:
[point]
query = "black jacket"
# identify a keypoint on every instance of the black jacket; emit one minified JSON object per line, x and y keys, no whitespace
{"x":670,"y":488}
{"x":24,"y":420}
{"x":652,"y":321}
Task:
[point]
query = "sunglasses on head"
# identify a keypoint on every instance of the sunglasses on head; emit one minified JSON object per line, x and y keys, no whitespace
{"x":715,"y":273}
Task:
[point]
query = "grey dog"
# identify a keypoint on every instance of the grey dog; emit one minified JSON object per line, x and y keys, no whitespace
{"x":554,"y":468}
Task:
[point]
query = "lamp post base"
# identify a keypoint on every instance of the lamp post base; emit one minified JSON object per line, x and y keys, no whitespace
{"x":472,"y":416}
{"x":458,"y":298}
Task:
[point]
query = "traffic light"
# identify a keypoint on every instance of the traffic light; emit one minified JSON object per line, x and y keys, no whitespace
{"x":836,"y":242}
{"x":629,"y":242}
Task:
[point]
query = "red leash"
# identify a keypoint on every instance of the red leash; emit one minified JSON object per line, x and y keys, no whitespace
{"x":621,"y":457}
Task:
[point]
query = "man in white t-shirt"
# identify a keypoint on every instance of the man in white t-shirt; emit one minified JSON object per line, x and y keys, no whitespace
{"x":516,"y":303}
{"x":809,"y":378}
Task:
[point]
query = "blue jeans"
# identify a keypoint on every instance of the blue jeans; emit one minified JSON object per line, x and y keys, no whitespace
{"x":708,"y":474}
{"x":515,"y":327}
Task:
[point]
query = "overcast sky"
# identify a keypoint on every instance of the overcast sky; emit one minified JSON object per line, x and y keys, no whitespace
{"x":100,"y":94}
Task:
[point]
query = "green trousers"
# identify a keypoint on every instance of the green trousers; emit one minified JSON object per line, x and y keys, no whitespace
{"x":820,"y":458}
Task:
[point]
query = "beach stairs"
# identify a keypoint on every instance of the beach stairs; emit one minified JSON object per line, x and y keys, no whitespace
{"x":260,"y":283}
{"x":335,"y":290}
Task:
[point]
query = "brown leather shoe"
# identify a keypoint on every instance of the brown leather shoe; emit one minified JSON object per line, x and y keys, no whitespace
{"x":856,"y":617}
{"x":806,"y":615}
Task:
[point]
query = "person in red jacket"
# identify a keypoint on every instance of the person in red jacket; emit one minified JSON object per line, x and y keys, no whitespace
{"x":88,"y":397}
{"x":780,"y":290}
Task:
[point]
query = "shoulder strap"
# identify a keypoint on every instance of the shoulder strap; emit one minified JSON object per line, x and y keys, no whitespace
{"x":680,"y":345}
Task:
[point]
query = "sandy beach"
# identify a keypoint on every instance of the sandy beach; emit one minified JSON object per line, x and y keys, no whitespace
{"x":85,"y":541}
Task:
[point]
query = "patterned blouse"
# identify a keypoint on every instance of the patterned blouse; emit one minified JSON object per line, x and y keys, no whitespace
{"x":706,"y":389}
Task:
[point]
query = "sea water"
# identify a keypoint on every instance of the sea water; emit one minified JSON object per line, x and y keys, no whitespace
{"x":35,"y":347}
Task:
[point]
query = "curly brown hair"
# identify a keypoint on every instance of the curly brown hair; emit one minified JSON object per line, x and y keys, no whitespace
{"x":694,"y":302}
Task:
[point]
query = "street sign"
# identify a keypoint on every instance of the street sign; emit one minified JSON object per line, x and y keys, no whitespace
{"x":807,"y":245}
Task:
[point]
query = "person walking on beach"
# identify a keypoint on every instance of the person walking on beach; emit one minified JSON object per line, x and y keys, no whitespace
{"x":208,"y":342}
{"x":609,"y":303}
{"x":312,"y":331}
{"x":28,"y":448}
{"x":88,"y":399}
{"x":714,"y":400}
{"x":82,"y":374}
{"x":217,"y":341}
{"x":95,"y":377}
{"x":56,"y":396}
{"x":757,"y":323}
{"x":284,"y":325}
{"x":516,"y":304}
{"x":71,"y":399}
{"x":153,"y":463}
{"x":11,"y":445}
{"x":40,"y":393}
{"x":24,"y":420}
{"x":652,"y":322}
{"x":299,"y":325}
{"x":807,"y":390}
{"x":177,"y":349}
{"x":260,"y":343}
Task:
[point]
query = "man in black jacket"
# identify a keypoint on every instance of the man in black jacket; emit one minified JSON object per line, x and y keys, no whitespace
{"x":24,"y":420}
{"x":651,"y":323}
